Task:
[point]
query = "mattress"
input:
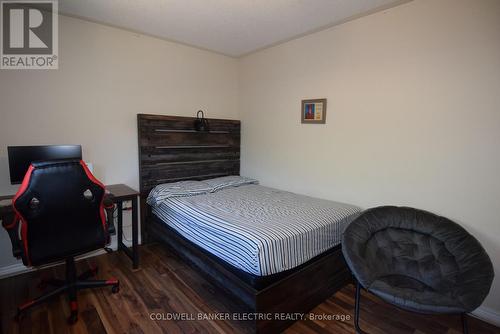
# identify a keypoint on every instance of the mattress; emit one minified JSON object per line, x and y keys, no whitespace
{"x":260,"y":230}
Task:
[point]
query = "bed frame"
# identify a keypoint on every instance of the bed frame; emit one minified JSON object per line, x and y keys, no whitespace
{"x":171,"y":150}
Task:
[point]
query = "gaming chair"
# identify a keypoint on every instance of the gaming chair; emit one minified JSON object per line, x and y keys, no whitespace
{"x":60,"y":211}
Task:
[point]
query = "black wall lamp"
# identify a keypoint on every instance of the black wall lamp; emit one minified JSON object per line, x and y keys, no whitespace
{"x":201,"y":123}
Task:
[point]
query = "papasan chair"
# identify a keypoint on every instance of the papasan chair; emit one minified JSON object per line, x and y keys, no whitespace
{"x":417,"y":261}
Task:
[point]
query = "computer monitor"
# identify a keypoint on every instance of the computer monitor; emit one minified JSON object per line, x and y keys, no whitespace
{"x":20,"y":157}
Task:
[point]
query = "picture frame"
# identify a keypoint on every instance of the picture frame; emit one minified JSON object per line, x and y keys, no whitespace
{"x":313,"y":111}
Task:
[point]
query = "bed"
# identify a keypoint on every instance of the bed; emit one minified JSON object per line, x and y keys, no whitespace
{"x":259,"y":230}
{"x":271,"y":251}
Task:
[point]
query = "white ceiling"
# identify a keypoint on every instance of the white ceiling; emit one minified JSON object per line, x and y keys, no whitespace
{"x":231,"y":27}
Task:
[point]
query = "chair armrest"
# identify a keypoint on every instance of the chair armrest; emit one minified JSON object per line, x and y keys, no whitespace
{"x":10,"y":221}
{"x":109,"y":206}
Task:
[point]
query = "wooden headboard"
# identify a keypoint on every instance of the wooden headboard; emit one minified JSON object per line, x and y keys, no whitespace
{"x":171,"y":150}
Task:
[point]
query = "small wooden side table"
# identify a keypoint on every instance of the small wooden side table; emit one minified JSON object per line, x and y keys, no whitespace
{"x":122,"y":193}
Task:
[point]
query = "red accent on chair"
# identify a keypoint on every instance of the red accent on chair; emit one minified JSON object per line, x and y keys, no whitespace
{"x":99,"y":183}
{"x":24,"y":225}
{"x":24,"y":184}
{"x":73,"y":305}
{"x":112,"y":281}
{"x":27,"y":304}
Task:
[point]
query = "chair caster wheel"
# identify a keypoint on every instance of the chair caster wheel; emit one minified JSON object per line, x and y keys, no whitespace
{"x":72,"y":319}
{"x":115,"y":289}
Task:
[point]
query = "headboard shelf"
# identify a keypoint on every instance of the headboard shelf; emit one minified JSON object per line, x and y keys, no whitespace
{"x":154,"y":137}
{"x":188,"y":131}
{"x":186,"y":162}
{"x":177,"y":147}
{"x":160,"y":122}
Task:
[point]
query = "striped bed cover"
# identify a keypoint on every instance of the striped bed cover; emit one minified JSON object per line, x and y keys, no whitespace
{"x":257,"y":229}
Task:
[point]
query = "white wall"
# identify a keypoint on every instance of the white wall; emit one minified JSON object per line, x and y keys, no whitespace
{"x":413,"y":114}
{"x":106,"y":76}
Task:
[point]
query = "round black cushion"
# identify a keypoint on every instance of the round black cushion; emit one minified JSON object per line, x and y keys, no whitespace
{"x":417,"y":260}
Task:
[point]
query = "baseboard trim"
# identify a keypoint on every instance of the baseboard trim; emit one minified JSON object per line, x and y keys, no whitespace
{"x":487,"y":314}
{"x":19,"y":268}
{"x":13,"y":269}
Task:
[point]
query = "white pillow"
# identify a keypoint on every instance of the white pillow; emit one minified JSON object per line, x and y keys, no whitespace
{"x":229,"y":181}
{"x":177,"y":189}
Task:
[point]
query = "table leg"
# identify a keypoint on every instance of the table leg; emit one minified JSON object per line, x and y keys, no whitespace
{"x":135,"y":234}
{"x":119,"y":231}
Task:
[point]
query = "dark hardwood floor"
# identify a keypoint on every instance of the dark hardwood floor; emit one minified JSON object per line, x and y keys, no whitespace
{"x":163,"y":286}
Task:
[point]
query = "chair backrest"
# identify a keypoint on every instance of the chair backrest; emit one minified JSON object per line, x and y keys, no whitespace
{"x":60,"y":204}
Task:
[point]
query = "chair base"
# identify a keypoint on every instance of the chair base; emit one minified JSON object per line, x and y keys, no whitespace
{"x":70,"y":286}
{"x":357,"y":302}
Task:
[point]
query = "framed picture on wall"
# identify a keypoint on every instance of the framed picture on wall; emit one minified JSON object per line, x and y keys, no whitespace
{"x":314,"y":111}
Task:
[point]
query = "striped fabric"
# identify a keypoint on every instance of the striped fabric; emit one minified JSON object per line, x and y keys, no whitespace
{"x":229,"y":181}
{"x":190,"y":188}
{"x":258,"y":229}
{"x":177,"y":189}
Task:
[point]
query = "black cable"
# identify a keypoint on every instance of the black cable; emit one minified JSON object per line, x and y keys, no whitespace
{"x":115,"y":217}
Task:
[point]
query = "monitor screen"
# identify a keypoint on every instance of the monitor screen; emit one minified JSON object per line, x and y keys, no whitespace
{"x":20,"y":157}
